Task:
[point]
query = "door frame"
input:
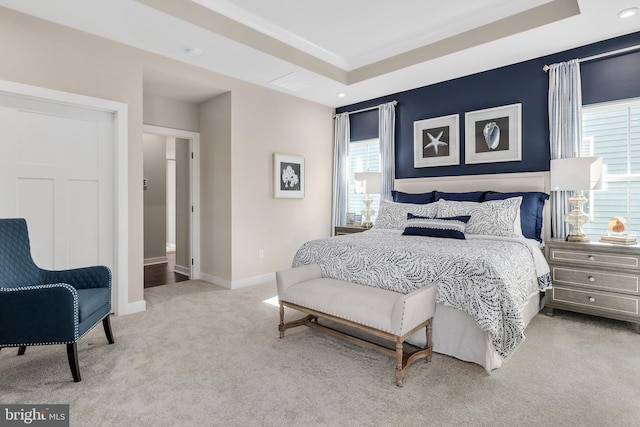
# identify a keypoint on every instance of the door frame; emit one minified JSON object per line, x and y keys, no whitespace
{"x":194,"y":188}
{"x":120,"y":278}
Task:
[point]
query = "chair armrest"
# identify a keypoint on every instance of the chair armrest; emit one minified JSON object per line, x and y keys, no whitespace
{"x":38,"y":314}
{"x":80,"y":278}
{"x":292,"y":276}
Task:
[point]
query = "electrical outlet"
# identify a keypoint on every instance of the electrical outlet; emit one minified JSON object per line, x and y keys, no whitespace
{"x":261,"y":254}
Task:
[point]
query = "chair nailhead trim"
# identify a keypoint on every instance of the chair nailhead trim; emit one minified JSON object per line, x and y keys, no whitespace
{"x":67,"y":286}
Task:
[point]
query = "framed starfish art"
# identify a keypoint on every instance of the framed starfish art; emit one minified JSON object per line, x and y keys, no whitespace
{"x":436,"y":142}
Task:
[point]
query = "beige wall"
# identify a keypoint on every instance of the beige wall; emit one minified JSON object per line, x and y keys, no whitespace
{"x":265,"y":123}
{"x":215,"y":187}
{"x":239,"y":132}
{"x":170,"y":113}
{"x":155,"y":196}
{"x":183,"y":210}
{"x":54,"y":57}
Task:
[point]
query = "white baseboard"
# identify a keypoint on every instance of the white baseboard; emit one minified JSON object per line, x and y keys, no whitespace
{"x":181,"y":269}
{"x":132,"y":307}
{"x":237,"y":284}
{"x":215,"y":280}
{"x":156,"y":260}
{"x":253,"y":281}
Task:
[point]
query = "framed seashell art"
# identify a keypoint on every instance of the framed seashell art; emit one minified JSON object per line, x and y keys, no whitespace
{"x":493,"y":135}
{"x":436,"y":142}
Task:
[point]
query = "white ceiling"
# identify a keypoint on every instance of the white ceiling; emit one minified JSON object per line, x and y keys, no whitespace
{"x":317,"y":49}
{"x":353,"y":33}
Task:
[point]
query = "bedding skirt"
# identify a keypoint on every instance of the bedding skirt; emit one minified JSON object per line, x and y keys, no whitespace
{"x":457,"y":334}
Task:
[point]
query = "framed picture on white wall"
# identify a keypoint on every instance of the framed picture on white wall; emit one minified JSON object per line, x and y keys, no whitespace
{"x":288,"y":176}
{"x":493,"y":135}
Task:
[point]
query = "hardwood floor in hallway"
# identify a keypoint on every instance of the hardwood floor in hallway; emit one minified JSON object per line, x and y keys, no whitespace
{"x":163,"y":274}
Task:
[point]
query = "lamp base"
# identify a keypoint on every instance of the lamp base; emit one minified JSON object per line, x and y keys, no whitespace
{"x":367,"y":212}
{"x":582,"y":238}
{"x":577,"y":218}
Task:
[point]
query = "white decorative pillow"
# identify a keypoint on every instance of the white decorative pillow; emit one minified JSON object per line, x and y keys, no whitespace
{"x":494,"y":217}
{"x":393,"y":216}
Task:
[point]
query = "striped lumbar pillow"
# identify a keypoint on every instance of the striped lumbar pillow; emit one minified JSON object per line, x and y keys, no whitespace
{"x":451,"y":227}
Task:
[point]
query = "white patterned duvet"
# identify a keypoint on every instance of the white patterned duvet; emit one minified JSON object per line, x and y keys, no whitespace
{"x":490,"y":278}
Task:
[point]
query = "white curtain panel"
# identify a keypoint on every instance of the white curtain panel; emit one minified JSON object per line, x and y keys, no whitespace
{"x":565,"y":130}
{"x":340,"y":169}
{"x":386,"y":135}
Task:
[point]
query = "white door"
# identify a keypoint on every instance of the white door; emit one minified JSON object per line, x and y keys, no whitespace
{"x":56,"y":171}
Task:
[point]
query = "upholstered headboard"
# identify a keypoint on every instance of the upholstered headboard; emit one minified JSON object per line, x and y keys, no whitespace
{"x":525,"y":181}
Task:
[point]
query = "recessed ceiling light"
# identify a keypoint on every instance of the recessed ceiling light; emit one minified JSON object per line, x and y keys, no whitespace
{"x":628,"y":13}
{"x":341,"y":95}
{"x":194,"y":51}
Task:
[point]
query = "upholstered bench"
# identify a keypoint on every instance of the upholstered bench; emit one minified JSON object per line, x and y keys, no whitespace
{"x":386,"y":314}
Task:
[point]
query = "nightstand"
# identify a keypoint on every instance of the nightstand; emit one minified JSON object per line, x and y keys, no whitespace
{"x":600,"y":279}
{"x":349,"y":229}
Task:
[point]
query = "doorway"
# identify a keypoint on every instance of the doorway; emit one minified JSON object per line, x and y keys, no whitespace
{"x":171,"y":200}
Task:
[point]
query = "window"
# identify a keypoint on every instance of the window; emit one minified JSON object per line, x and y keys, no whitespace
{"x":612,"y":131}
{"x":364,"y":156}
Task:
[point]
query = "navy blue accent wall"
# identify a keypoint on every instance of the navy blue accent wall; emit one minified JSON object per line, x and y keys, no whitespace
{"x":525,"y":82}
{"x":611,"y":79}
{"x":364,"y":125}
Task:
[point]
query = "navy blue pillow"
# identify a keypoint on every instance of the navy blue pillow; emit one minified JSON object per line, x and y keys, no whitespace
{"x":468,"y":196}
{"x":450,"y":228}
{"x":417,"y":199}
{"x":530,"y":210}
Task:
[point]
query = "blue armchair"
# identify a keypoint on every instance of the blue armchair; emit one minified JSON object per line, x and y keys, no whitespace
{"x":41,"y":307}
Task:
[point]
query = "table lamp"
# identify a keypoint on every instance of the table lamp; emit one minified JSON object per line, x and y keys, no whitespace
{"x":576,"y":174}
{"x":372,"y":183}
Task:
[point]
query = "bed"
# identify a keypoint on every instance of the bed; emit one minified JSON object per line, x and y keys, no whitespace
{"x":489,"y":281}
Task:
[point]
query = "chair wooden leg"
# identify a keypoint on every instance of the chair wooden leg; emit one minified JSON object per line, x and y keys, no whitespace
{"x":72,"y":353}
{"x":107,"y":329}
{"x":21,"y":350}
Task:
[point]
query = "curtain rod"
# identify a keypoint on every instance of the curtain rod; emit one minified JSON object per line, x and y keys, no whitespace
{"x":603,"y":55}
{"x":367,"y":109}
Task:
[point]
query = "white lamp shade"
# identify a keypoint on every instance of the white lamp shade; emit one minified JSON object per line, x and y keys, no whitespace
{"x":372,"y":181}
{"x":576,"y":173}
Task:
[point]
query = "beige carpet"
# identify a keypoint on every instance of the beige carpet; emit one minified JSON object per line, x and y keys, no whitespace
{"x":206,"y":356}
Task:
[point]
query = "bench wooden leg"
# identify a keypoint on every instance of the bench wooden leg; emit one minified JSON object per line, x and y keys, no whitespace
{"x":403,"y":361}
{"x":429,"y":343}
{"x":399,"y":363}
{"x":281,"y":326}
